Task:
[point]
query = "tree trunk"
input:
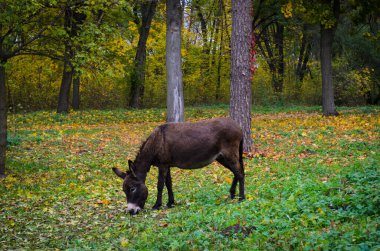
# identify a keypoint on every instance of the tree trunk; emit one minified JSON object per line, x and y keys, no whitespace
{"x":241,"y":76}
{"x":3,"y":120}
{"x":279,"y":38}
{"x":203,"y":22}
{"x":148,"y":9}
{"x":327,"y":39}
{"x":76,"y":93}
{"x":78,"y":20}
{"x":175,"y":101}
{"x":305,"y":51}
{"x":64,"y":92}
{"x":218,"y":72}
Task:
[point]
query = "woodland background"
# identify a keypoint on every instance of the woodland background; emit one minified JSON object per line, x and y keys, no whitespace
{"x":312,"y":181}
{"x":287,"y":68}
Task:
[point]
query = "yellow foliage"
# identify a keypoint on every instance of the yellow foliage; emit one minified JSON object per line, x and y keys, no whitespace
{"x":287,"y":10}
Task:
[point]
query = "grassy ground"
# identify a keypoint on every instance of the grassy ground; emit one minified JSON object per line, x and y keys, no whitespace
{"x":313,"y":183}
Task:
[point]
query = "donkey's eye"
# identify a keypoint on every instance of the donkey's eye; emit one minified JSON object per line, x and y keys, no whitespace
{"x":133,"y":189}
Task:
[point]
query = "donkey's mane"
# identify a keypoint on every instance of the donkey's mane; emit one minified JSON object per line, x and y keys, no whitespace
{"x":149,"y":146}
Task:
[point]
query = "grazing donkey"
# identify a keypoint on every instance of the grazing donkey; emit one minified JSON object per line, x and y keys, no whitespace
{"x":187,"y":146}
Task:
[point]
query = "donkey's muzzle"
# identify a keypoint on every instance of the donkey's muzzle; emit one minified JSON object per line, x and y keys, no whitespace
{"x":133,"y":208}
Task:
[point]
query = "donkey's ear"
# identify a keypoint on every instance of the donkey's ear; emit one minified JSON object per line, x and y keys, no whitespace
{"x":119,"y":173}
{"x":132,"y":168}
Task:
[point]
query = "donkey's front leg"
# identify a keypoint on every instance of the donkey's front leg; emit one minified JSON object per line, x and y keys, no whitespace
{"x":162,"y":172}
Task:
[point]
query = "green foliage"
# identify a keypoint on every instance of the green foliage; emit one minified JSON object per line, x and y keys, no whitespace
{"x":312,"y":183}
{"x":13,"y":140}
{"x":105,"y":50}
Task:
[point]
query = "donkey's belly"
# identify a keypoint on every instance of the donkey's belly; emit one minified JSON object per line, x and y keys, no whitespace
{"x":195,"y":162}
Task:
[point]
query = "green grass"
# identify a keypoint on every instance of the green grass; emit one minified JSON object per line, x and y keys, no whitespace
{"x":313,"y":183}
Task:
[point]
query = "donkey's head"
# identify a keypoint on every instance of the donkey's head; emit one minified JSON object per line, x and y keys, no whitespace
{"x":134,"y":189}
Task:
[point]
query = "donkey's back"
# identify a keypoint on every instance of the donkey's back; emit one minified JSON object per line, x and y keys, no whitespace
{"x":197,"y":144}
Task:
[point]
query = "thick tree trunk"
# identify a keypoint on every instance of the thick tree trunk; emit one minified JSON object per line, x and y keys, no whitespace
{"x":3,"y":120}
{"x":67,"y":75}
{"x":328,"y":105}
{"x":148,"y":9}
{"x":76,"y":92}
{"x":175,"y":100}
{"x":64,"y":92}
{"x":240,"y":103}
{"x":327,"y":39}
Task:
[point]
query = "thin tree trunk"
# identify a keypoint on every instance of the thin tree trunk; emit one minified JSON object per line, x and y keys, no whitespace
{"x":279,"y":38}
{"x":327,"y":39}
{"x":3,"y":120}
{"x":76,"y":93}
{"x":148,"y":9}
{"x":304,"y":55}
{"x":220,"y":56}
{"x":240,"y":103}
{"x":305,"y":61}
{"x":175,"y":100}
{"x":203,"y":22}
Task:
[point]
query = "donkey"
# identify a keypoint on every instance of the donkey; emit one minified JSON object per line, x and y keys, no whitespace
{"x":186,"y":146}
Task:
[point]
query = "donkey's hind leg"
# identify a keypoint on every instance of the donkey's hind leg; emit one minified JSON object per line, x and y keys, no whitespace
{"x":234,"y":167}
{"x":168,"y":183}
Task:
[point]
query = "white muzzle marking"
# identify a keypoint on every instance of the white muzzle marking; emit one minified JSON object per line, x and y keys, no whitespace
{"x":133,"y":207}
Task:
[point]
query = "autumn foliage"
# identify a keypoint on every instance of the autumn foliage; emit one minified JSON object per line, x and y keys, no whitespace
{"x":312,"y":183}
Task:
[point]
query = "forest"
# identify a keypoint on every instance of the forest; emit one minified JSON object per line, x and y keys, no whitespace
{"x":83,"y":83}
{"x":116,"y":50}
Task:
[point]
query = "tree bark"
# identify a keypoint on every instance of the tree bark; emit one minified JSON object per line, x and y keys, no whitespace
{"x":327,"y":39}
{"x":3,"y":120}
{"x":303,"y":56}
{"x":64,"y":92}
{"x":241,"y":76}
{"x":203,"y":22}
{"x":148,"y":9}
{"x":279,"y":39}
{"x":175,"y":100}
{"x":76,"y":92}
{"x":219,"y":67}
{"x":72,"y":21}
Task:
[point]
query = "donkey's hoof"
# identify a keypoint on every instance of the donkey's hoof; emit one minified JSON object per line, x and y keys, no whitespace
{"x":156,"y":207}
{"x":170,"y":204}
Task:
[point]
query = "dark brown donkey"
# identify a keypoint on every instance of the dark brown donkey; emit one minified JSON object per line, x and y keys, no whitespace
{"x":187,"y":146}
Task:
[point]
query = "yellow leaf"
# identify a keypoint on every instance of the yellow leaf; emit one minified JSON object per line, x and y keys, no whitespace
{"x":228,"y":180}
{"x":320,"y":211}
{"x":249,"y":197}
{"x":124,"y":242}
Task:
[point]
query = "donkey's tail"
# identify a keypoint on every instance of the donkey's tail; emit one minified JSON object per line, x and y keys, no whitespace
{"x":241,"y":154}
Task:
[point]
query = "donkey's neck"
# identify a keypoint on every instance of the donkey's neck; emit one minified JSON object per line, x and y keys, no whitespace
{"x":142,"y":168}
{"x":145,"y":157}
